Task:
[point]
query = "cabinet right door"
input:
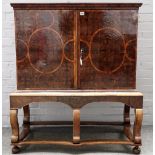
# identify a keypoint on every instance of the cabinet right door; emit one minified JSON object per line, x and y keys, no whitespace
{"x":108,"y":47}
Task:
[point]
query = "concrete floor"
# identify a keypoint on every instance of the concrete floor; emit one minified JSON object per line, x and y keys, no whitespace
{"x":86,"y":133}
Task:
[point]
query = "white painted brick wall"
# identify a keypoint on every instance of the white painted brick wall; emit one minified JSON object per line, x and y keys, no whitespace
{"x":92,"y":111}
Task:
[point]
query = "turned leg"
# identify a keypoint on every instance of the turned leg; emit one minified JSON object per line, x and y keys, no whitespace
{"x":126,"y":115}
{"x":76,"y":126}
{"x":26,"y":111}
{"x":137,"y":130}
{"x":127,"y":125}
{"x":15,"y":129}
{"x":26,"y":122}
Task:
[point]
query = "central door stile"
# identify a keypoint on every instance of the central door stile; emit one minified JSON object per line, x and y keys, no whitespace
{"x":76,"y":50}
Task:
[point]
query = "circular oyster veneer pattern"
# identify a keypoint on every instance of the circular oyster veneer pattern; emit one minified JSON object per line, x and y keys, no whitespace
{"x":21,"y":50}
{"x":108,"y":19}
{"x":131,"y":50}
{"x":69,"y":50}
{"x":44,"y":19}
{"x":45,"y":50}
{"x":107,"y":50}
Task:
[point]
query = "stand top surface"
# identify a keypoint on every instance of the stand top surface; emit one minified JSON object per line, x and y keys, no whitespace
{"x":76,"y":93}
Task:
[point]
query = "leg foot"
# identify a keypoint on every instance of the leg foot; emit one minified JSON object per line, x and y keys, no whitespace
{"x":15,"y":149}
{"x":14,"y":125}
{"x":137,"y":126}
{"x":136,"y":150}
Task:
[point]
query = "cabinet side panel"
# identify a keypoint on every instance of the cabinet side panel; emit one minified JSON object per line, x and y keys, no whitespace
{"x":45,"y":49}
{"x":108,"y":43}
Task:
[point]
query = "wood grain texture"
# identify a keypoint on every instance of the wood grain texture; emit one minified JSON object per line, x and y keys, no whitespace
{"x":63,"y":49}
{"x":45,"y":57}
{"x":111,"y":46}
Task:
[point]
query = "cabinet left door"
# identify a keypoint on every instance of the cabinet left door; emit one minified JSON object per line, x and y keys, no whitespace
{"x":45,"y":49}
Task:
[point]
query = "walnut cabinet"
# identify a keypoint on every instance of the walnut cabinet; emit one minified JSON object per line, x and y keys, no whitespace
{"x":76,"y":53}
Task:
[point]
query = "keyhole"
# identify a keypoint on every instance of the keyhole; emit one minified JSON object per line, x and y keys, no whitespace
{"x":81,"y":53}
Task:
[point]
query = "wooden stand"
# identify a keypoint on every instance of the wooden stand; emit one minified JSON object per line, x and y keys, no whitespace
{"x":76,"y":100}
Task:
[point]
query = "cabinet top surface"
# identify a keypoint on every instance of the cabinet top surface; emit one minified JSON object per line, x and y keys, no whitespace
{"x":63,"y":4}
{"x":76,"y":1}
